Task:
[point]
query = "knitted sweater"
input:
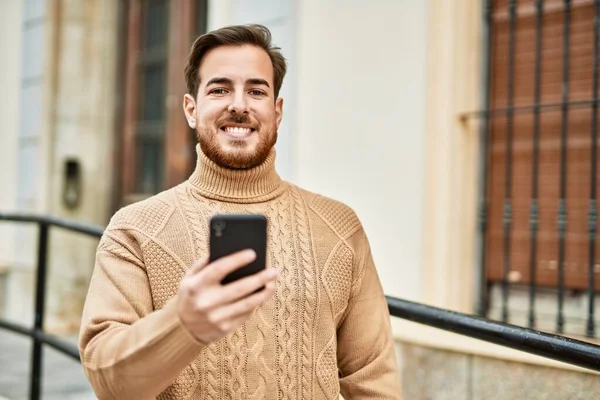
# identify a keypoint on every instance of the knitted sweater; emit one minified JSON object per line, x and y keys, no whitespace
{"x":326,"y":330}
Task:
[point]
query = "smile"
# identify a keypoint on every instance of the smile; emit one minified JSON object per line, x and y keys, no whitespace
{"x":237,"y":131}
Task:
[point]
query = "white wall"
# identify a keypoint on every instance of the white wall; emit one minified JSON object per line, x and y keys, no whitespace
{"x":359,"y":132}
{"x":354,"y":121}
{"x":24,"y":30}
{"x":279,"y":17}
{"x":10,"y":74}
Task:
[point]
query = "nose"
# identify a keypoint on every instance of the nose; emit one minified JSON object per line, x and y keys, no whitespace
{"x":238,"y":104}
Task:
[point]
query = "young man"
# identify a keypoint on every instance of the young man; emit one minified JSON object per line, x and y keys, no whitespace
{"x":157,"y":321}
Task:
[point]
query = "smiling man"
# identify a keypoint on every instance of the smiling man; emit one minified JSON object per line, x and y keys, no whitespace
{"x":236,"y":82}
{"x":158,"y":323}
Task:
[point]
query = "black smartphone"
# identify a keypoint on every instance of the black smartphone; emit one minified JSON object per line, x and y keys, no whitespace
{"x":230,"y":233}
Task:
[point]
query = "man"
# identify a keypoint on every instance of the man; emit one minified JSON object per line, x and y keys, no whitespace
{"x":158,"y":323}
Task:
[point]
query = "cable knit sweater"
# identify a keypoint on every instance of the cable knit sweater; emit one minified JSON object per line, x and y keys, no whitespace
{"x":326,"y":330}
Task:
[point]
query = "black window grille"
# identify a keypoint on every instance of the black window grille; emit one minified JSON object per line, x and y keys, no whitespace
{"x":157,"y":31}
{"x":153,"y":77}
{"x":538,"y":215}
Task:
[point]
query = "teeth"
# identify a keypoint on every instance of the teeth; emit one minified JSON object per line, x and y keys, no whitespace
{"x":237,"y":130}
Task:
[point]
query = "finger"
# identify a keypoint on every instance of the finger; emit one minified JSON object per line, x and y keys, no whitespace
{"x":244,"y":287}
{"x":198,"y":265}
{"x":235,"y":323}
{"x":218,"y":269}
{"x":246,"y":306}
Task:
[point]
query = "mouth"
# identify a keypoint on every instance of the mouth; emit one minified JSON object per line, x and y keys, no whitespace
{"x":237,"y":131}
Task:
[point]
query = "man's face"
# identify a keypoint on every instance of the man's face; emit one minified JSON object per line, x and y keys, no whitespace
{"x":235,"y":113}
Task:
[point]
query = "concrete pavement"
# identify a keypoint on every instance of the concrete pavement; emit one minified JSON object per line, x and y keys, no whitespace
{"x":62,"y":379}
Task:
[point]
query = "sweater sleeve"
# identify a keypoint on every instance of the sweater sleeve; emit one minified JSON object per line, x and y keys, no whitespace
{"x":128,"y":350}
{"x":366,"y":354}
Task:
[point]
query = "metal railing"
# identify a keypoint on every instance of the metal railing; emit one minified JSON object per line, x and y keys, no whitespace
{"x":560,"y":348}
{"x":556,"y":347}
{"x":37,"y":333}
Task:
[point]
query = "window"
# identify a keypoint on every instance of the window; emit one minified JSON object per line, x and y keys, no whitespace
{"x":542,"y":143}
{"x":156,"y":145}
{"x":150,"y":123}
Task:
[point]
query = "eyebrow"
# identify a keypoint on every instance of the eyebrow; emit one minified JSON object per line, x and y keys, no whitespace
{"x":257,"y":81}
{"x":227,"y":81}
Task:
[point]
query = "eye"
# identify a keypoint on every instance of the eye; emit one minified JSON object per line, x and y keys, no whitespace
{"x":218,"y":91}
{"x":257,"y":92}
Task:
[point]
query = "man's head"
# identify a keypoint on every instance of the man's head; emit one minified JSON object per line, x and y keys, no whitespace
{"x":233,"y":78}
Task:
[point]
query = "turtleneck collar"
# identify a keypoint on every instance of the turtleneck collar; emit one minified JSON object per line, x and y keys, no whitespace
{"x":254,"y":185}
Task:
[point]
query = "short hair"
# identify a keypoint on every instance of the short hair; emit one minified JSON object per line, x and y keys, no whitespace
{"x":237,"y":35}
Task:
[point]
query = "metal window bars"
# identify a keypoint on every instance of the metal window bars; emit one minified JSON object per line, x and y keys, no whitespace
{"x":509,"y":112}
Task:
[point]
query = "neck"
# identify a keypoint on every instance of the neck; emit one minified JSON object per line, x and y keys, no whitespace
{"x":254,"y":185}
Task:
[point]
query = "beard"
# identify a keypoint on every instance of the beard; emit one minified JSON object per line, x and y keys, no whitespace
{"x":241,"y":157}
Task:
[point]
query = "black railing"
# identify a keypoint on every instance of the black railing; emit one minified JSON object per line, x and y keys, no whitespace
{"x":37,"y":333}
{"x":556,"y":347}
{"x":560,"y":348}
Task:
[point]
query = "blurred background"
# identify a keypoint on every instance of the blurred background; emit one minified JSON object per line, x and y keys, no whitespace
{"x":462,"y":132}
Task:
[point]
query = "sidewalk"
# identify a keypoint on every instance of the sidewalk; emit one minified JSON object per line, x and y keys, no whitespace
{"x":62,"y":378}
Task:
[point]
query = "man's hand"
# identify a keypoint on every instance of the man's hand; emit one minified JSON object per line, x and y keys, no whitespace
{"x":210,"y":310}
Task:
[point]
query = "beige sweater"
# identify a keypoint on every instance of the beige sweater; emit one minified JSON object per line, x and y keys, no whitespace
{"x":326,"y":331}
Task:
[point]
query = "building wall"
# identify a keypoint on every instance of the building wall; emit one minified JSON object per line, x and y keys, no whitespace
{"x":433,"y":374}
{"x":84,"y":61}
{"x":360,"y":120}
{"x":67,"y":90}
{"x":280,"y":17}
{"x":354,"y":113}
{"x":10,"y":73}
{"x":455,"y":50}
{"x":28,"y":173}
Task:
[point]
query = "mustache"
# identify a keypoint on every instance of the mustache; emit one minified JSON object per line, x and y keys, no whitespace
{"x":235,"y":119}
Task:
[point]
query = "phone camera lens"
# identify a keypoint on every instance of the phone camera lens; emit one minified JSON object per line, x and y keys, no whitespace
{"x":219,"y":225}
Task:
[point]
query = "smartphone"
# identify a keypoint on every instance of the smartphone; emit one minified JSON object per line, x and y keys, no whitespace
{"x":231,"y":233}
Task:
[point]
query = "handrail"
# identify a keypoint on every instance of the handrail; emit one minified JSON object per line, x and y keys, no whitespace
{"x":560,"y":348}
{"x":556,"y":347}
{"x":55,"y":342}
{"x":75,"y":226}
{"x":37,"y":333}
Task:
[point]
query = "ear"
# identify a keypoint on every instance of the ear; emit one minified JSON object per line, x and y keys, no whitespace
{"x":189,"y":108}
{"x":278,"y":110}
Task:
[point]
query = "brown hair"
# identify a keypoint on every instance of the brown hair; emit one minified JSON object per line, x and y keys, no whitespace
{"x":238,"y":35}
